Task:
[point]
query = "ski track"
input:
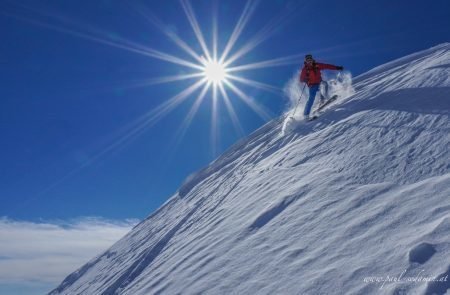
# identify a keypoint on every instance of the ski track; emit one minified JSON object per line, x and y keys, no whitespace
{"x":363,"y":191}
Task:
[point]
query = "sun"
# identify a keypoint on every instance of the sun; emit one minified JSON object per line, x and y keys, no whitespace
{"x":215,"y":72}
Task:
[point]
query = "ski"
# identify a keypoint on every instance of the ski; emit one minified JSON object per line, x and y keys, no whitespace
{"x":316,"y":113}
{"x":330,"y":100}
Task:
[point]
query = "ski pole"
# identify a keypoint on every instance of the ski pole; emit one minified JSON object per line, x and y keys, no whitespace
{"x":298,"y":101}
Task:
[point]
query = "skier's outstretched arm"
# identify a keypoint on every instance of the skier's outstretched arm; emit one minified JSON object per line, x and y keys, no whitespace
{"x":329,"y":67}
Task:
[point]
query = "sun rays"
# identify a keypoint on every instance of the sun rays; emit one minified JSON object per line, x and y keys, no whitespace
{"x":216,"y":65}
{"x":215,"y":71}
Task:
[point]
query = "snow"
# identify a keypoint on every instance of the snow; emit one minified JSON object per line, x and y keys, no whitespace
{"x":335,"y":206}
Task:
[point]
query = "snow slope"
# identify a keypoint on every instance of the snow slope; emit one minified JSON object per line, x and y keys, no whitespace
{"x":360,"y":195}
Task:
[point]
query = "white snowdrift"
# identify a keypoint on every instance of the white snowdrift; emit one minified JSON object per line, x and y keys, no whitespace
{"x":337,"y":206}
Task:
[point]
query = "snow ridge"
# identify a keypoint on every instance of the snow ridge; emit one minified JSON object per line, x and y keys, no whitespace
{"x":361,"y":193}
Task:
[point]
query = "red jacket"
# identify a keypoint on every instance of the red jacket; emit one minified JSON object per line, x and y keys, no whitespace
{"x":311,"y":73}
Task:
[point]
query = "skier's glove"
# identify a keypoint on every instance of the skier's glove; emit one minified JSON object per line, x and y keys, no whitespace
{"x":339,"y":68}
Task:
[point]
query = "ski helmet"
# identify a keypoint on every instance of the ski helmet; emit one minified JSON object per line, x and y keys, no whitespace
{"x":308,"y":57}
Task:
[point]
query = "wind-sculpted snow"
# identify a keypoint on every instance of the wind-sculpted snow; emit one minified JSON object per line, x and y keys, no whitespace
{"x":356,"y":202}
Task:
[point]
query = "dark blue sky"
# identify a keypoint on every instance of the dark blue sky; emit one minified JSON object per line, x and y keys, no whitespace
{"x":64,"y":98}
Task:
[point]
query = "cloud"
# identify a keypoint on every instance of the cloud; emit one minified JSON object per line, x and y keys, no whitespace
{"x":46,"y":252}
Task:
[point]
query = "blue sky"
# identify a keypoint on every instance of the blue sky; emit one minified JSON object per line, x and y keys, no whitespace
{"x":66,"y":98}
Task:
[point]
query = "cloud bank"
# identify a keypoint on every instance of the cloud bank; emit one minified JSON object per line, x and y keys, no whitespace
{"x":44,"y":253}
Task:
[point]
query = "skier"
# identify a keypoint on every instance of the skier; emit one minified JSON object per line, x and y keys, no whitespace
{"x":312,"y":77}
